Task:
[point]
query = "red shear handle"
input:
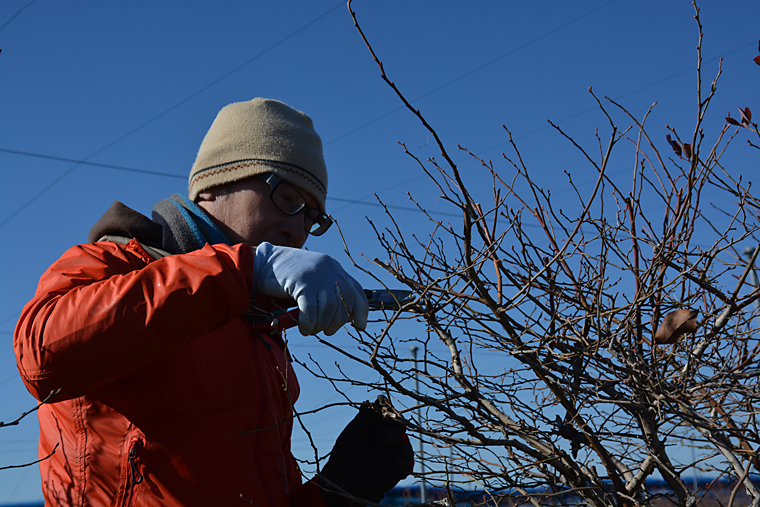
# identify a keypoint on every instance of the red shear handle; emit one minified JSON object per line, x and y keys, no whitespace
{"x":281,"y":320}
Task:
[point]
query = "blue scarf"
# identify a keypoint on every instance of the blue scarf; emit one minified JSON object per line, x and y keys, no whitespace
{"x":186,"y":227}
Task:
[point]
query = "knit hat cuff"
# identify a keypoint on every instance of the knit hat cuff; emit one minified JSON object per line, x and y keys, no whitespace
{"x":239,"y":169}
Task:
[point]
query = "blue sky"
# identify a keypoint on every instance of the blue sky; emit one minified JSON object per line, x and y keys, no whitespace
{"x":137,"y":84}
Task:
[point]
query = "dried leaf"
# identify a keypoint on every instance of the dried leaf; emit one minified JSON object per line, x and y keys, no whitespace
{"x":746,"y":115}
{"x":675,"y":324}
{"x":673,"y":144}
{"x":733,"y":121}
{"x":687,"y":151}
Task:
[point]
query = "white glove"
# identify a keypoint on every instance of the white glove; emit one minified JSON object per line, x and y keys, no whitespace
{"x":327,"y":296}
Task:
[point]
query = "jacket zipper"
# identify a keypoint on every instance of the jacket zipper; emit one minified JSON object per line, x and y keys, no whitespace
{"x":134,"y":472}
{"x":131,"y":476}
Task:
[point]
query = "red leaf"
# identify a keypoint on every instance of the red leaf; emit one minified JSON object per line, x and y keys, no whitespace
{"x":676,"y":324}
{"x":733,"y":121}
{"x":756,"y":60}
{"x":687,"y":151}
{"x":676,"y":147}
{"x":746,"y":115}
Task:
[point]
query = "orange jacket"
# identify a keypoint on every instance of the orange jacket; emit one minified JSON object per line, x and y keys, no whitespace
{"x":167,"y":396}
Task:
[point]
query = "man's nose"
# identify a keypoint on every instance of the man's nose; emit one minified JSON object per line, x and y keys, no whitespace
{"x":293,"y":228}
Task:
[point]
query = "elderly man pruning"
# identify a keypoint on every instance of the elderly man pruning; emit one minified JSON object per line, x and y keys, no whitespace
{"x":166,"y":390}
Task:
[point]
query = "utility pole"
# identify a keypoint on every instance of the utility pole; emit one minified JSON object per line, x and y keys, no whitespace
{"x":421,"y":456}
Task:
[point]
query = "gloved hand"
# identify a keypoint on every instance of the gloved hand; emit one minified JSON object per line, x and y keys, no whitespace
{"x":371,"y":455}
{"x":326,"y":295}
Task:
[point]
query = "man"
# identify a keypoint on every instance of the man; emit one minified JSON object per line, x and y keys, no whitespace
{"x":164,"y":389}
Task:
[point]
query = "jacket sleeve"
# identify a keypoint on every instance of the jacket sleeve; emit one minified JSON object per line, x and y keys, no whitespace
{"x":103,"y":311}
{"x":307,"y":495}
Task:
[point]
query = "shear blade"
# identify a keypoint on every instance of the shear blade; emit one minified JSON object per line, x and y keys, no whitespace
{"x":382,"y":299}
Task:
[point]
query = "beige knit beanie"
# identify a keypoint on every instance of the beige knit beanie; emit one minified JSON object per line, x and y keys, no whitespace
{"x":256,"y":137}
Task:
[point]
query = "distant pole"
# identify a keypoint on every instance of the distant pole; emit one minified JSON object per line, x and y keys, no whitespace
{"x":749,"y":252}
{"x":423,"y":496}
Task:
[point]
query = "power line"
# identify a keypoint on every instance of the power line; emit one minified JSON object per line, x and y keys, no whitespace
{"x":640,"y":88}
{"x":475,"y":70}
{"x":96,"y":164}
{"x":186,"y":99}
{"x":403,"y":208}
{"x":541,"y":129}
{"x":183,"y":177}
{"x":17,"y":13}
{"x":30,"y":201}
{"x":467,"y":74}
{"x":457,"y":79}
{"x":361,"y":200}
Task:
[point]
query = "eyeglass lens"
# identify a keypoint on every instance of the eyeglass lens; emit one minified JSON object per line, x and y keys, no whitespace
{"x":290,"y":201}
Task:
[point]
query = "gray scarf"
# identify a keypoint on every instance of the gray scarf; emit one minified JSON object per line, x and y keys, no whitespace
{"x":186,"y":227}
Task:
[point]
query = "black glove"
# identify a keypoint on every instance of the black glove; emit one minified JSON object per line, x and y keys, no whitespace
{"x":371,"y":455}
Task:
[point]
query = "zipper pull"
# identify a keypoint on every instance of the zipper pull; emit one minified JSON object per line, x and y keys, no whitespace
{"x":136,"y":476}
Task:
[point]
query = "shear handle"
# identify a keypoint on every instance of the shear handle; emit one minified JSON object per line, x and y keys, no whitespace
{"x":378,"y":300}
{"x":281,"y":320}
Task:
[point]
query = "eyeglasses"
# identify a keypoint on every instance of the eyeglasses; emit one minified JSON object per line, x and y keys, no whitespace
{"x":290,"y":201}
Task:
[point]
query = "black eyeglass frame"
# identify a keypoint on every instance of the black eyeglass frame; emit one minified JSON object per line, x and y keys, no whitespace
{"x":322,"y":223}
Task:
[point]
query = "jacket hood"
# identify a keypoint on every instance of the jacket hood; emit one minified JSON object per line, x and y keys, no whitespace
{"x":121,"y":220}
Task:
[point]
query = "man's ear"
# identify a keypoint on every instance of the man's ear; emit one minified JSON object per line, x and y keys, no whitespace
{"x":206,"y":196}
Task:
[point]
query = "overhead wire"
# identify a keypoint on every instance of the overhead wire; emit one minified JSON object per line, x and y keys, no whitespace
{"x":184,"y":177}
{"x":627,"y":94}
{"x":473,"y":71}
{"x":562,"y":120}
{"x":403,"y":208}
{"x":456,"y":80}
{"x":17,"y":13}
{"x":166,"y":111}
{"x":361,"y":200}
{"x":96,"y":164}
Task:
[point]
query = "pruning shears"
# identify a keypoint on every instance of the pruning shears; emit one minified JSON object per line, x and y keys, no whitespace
{"x":281,"y":318}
